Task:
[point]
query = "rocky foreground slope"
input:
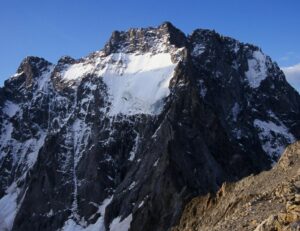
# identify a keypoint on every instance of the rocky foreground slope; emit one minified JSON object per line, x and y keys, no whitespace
{"x":123,"y":138}
{"x":265,"y":202}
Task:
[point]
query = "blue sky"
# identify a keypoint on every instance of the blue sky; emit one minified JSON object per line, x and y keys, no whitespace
{"x":51,"y":29}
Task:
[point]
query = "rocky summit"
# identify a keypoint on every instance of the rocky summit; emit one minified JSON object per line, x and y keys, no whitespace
{"x":124,"y":138}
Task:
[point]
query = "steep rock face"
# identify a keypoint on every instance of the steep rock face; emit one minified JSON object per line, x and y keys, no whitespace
{"x":268,"y":201}
{"x":123,"y":138}
{"x":248,"y":92}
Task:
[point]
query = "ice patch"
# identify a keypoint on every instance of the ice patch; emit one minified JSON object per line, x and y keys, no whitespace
{"x":118,"y":225}
{"x":257,"y":69}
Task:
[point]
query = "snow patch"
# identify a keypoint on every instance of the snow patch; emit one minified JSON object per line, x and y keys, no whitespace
{"x":11,"y":108}
{"x":273,"y":137}
{"x":50,"y":213}
{"x":134,"y":149}
{"x":44,"y":79}
{"x":257,"y":69}
{"x":71,"y":225}
{"x":17,"y":74}
{"x":104,"y":204}
{"x":22,"y":152}
{"x":8,"y":208}
{"x":77,"y":71}
{"x":34,"y":145}
{"x":137,"y":84}
{"x":236,"y":47}
{"x":118,"y":225}
{"x":198,"y":50}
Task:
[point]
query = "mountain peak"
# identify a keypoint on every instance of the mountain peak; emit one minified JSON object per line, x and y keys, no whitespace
{"x":127,"y":135}
{"x":32,"y":62}
{"x":30,"y":69}
{"x":144,"y":39}
{"x":168,"y":26}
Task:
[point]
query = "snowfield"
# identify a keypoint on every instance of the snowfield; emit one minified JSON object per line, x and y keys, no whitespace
{"x":137,"y":83}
